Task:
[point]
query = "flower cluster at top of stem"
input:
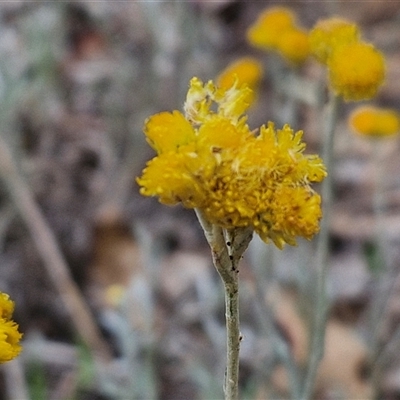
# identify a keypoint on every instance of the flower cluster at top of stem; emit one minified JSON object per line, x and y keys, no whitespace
{"x":356,"y":69}
{"x":276,"y":29}
{"x":331,"y":34}
{"x":209,"y":159}
{"x":374,"y":121}
{"x":9,"y":334}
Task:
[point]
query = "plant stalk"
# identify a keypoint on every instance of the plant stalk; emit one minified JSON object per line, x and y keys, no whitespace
{"x":319,"y":315}
{"x":227,"y":247}
{"x":233,"y":340}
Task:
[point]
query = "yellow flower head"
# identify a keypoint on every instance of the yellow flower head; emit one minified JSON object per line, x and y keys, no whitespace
{"x":293,"y":46}
{"x":356,"y":71}
{"x":9,"y":334}
{"x":374,"y":121}
{"x":237,"y":177}
{"x":246,"y":70}
{"x":6,"y":306}
{"x":266,"y":32}
{"x":166,"y":132}
{"x":202,"y":98}
{"x":276,"y":30}
{"x":330,"y":34}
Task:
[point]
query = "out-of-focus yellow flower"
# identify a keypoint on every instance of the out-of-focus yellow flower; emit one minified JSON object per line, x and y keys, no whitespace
{"x":375,"y":121}
{"x":266,"y":32}
{"x":9,"y":334}
{"x":330,"y":34}
{"x":293,"y":46}
{"x":245,"y":70}
{"x":276,"y":29}
{"x":356,"y":71}
{"x":237,"y":177}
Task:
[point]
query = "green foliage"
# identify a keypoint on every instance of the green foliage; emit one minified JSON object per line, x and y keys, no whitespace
{"x":374,"y":257}
{"x":36,"y":380}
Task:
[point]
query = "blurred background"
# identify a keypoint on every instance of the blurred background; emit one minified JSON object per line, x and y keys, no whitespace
{"x":77,"y":81}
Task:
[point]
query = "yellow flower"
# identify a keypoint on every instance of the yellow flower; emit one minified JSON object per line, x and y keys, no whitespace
{"x":275,"y":29}
{"x":330,"y":34}
{"x":266,"y":32}
{"x":176,"y":177}
{"x":297,"y":213}
{"x":167,"y":131}
{"x":6,"y":306}
{"x":265,"y":185}
{"x":356,"y":71}
{"x":202,"y":98}
{"x":237,"y":177}
{"x":374,"y":121}
{"x":293,"y":46}
{"x":246,"y":70}
{"x":9,"y":334}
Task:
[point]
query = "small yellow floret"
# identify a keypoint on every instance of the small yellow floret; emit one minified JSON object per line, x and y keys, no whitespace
{"x":266,"y":32}
{"x":202,"y":98}
{"x":9,"y":334}
{"x":244,"y":71}
{"x":6,"y":306}
{"x":247,"y":70}
{"x":374,"y":121}
{"x":275,"y":29}
{"x":230,"y":136}
{"x":356,"y":71}
{"x":330,"y":34}
{"x":167,"y":131}
{"x":172,"y":177}
{"x":293,"y":46}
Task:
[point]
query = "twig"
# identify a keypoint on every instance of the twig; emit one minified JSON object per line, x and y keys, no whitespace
{"x":16,"y":387}
{"x":52,"y":258}
{"x":381,"y":360}
{"x":386,"y":277}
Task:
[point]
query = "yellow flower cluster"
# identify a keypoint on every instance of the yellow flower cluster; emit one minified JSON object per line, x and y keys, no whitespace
{"x":374,"y":121}
{"x":210,"y":159}
{"x":9,"y":334}
{"x":276,"y":29}
{"x":356,"y":69}
{"x":330,"y":34}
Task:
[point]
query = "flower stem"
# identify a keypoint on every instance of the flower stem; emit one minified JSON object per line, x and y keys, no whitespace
{"x":319,"y":315}
{"x":227,"y":247}
{"x":233,"y":339}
